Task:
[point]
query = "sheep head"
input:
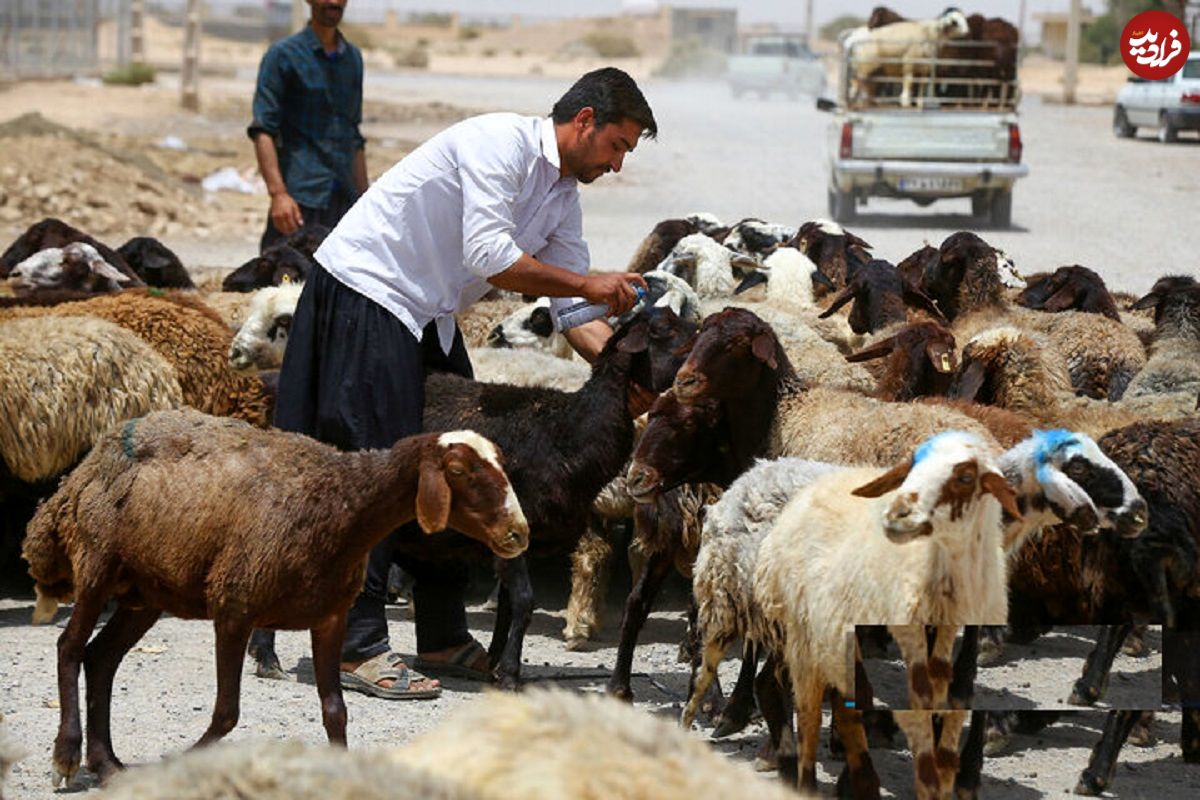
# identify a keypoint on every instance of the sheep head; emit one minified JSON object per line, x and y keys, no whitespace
{"x":880,"y":296}
{"x":922,"y":360}
{"x":946,"y":477}
{"x":681,"y":443}
{"x":74,"y":266}
{"x":734,"y":349}
{"x":462,"y":485}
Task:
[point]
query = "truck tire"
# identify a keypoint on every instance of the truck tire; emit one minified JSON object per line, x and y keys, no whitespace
{"x":1001,"y":213}
{"x":1121,"y":127}
{"x":1167,"y":132}
{"x":841,"y":205}
{"x":980,"y":206}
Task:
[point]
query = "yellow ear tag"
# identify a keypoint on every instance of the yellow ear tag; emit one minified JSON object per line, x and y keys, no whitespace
{"x":945,"y":362}
{"x":288,"y":279}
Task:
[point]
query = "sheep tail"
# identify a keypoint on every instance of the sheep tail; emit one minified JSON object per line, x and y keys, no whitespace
{"x":49,"y":564}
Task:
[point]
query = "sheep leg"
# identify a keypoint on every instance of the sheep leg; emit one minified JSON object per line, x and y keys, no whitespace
{"x":918,"y":729}
{"x":807,"y":694}
{"x":714,"y":651}
{"x":1099,"y":771}
{"x":736,"y":714}
{"x":966,"y":665}
{"x":101,"y":658}
{"x":1090,"y":687}
{"x":589,"y":579}
{"x":858,"y":778}
{"x":232,"y":636}
{"x":940,"y":668}
{"x":946,"y":756}
{"x":327,"y":641}
{"x":517,"y":596}
{"x":776,"y":707}
{"x":970,"y":764}
{"x":71,"y":649}
{"x":262,"y":650}
{"x":637,"y":609}
{"x":914,"y":648}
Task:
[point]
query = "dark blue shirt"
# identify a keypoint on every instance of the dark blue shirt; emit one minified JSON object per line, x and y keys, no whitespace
{"x":310,"y":102}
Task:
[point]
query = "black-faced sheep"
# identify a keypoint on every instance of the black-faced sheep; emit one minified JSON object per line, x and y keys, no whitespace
{"x":144,"y":519}
{"x":155,"y":264}
{"x":277,"y":264}
{"x":1071,"y":288}
{"x":52,"y":232}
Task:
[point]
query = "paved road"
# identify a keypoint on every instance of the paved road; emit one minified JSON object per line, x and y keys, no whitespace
{"x":1127,"y":209}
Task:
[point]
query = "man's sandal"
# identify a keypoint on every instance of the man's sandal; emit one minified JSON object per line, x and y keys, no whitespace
{"x":366,"y":677}
{"x":458,"y":665}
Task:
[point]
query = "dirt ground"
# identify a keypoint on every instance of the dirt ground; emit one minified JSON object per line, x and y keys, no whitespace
{"x":1123,"y":207}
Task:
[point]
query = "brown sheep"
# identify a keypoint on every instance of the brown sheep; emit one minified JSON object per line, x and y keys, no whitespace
{"x":146,"y":520}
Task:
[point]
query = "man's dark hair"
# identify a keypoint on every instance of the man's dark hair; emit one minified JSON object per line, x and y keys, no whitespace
{"x":613,"y":95}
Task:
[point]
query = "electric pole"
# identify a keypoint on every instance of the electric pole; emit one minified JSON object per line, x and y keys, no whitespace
{"x":1071,"y":68}
{"x":189,"y":83}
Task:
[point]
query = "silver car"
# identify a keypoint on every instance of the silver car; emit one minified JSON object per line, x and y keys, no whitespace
{"x":1169,"y":106}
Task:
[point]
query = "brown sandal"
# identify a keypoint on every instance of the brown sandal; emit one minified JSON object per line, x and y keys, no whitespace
{"x":387,"y":666}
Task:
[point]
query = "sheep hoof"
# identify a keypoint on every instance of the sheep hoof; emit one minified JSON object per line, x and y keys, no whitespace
{"x":989,"y":652}
{"x":996,"y":743}
{"x":1090,"y":786}
{"x":1082,"y":697}
{"x":271,"y":671}
{"x":621,"y":693}
{"x":65,"y":770}
{"x":576,"y":643}
{"x":729,"y":725}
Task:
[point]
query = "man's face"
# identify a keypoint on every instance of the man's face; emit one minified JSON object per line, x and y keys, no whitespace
{"x":599,"y":150}
{"x":327,"y":12}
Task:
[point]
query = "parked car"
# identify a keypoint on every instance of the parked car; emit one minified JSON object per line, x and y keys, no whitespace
{"x":1169,"y":106}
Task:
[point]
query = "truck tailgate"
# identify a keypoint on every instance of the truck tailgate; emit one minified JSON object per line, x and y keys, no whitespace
{"x":931,"y":136}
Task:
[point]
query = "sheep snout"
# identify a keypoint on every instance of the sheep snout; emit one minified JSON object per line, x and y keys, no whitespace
{"x":905,"y":520}
{"x":1129,"y":523}
{"x":689,"y":384}
{"x":643,"y":482}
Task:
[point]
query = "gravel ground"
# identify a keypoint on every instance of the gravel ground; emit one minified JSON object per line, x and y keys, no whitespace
{"x":1124,"y":208}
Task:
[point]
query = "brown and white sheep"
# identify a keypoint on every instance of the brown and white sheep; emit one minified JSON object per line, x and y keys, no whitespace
{"x":903,"y":48}
{"x":145,"y":519}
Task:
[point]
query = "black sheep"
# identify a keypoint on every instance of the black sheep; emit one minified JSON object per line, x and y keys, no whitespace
{"x":155,"y":263}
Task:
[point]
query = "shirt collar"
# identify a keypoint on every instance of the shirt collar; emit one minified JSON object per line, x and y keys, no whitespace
{"x":550,"y":143}
{"x":314,"y":43}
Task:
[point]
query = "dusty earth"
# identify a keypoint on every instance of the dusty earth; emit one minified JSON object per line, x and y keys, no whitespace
{"x":1125,"y":208}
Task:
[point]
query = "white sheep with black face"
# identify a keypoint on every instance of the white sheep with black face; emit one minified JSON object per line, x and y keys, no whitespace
{"x":77,"y":265}
{"x":531,"y":327}
{"x":261,"y":341}
{"x":706,"y":265}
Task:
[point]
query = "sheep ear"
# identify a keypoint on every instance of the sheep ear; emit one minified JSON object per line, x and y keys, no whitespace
{"x":763,"y":348}
{"x":821,"y":279}
{"x":877,"y":350}
{"x":941,"y":357}
{"x":433,"y":499}
{"x":1061,"y":300}
{"x":969,"y":383}
{"x":994,"y":484}
{"x":746,"y":264}
{"x":1149,"y":301}
{"x":636,"y":338}
{"x":846,"y":296}
{"x":751,"y":280}
{"x":918,"y":299}
{"x":885,"y":482}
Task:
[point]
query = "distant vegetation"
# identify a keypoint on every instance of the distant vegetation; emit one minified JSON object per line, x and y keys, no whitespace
{"x":133,"y":75}
{"x":829,"y":31}
{"x":611,"y":45}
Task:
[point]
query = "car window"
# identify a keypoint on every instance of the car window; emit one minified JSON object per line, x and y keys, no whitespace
{"x":1191,"y":69}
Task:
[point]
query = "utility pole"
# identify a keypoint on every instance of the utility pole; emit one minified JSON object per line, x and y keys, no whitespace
{"x":123,"y":33}
{"x":808,"y":25}
{"x":190,"y":81}
{"x":1071,"y":68}
{"x":137,"y":32}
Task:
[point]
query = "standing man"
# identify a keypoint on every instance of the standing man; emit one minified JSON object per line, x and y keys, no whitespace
{"x":489,"y":202}
{"x":307,"y":109}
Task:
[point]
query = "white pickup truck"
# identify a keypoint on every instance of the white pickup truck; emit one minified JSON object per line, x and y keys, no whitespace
{"x":957,"y":136}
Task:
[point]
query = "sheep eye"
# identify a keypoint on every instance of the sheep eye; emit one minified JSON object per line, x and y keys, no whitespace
{"x":456,"y":470}
{"x":966,"y":478}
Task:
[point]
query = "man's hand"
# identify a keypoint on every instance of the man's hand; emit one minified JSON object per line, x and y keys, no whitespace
{"x":285,"y":213}
{"x":614,"y":289}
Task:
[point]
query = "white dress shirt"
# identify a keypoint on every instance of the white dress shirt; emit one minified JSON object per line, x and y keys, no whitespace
{"x":424,"y":238}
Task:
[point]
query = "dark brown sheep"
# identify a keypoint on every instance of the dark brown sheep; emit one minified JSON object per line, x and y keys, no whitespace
{"x":1071,"y":288}
{"x":146,"y":520}
{"x":836,"y":251}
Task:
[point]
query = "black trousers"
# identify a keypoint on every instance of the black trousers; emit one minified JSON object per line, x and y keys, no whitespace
{"x":339,"y":204}
{"x":354,"y":376}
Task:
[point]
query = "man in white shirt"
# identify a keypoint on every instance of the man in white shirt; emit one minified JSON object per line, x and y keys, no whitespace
{"x":489,"y":202}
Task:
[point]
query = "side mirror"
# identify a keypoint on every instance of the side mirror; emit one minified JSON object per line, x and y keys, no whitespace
{"x":825,"y":104}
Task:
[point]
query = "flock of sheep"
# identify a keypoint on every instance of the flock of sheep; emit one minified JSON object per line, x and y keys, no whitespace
{"x":939,"y":451}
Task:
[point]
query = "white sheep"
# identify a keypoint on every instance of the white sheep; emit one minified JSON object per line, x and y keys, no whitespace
{"x":910,"y":44}
{"x":530,"y":327}
{"x":528,"y":368}
{"x":919,"y":545}
{"x":262,"y":339}
{"x":706,"y":264}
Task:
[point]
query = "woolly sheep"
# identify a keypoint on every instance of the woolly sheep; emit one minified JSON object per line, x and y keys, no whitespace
{"x":155,"y":263}
{"x":479,"y":322}
{"x":261,"y":340}
{"x":855,"y":547}
{"x":528,"y":368}
{"x":64,"y":381}
{"x":837,"y":251}
{"x":753,"y":236}
{"x":911,"y":42}
{"x":550,"y":744}
{"x":1174,"y":363}
{"x":189,"y":338}
{"x":51,"y":232}
{"x":706,"y":265}
{"x":141,"y":520}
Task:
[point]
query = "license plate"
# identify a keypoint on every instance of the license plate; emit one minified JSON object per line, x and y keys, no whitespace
{"x":931,"y":184}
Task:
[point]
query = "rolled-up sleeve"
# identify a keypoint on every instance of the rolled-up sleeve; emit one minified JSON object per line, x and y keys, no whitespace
{"x":490,"y":184}
{"x":268,"y":95}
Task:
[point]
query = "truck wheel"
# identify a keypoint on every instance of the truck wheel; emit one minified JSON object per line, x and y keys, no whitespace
{"x":841,"y":205}
{"x":979,"y":204}
{"x":1166,"y":131}
{"x":1121,"y":127}
{"x":1001,"y":213}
